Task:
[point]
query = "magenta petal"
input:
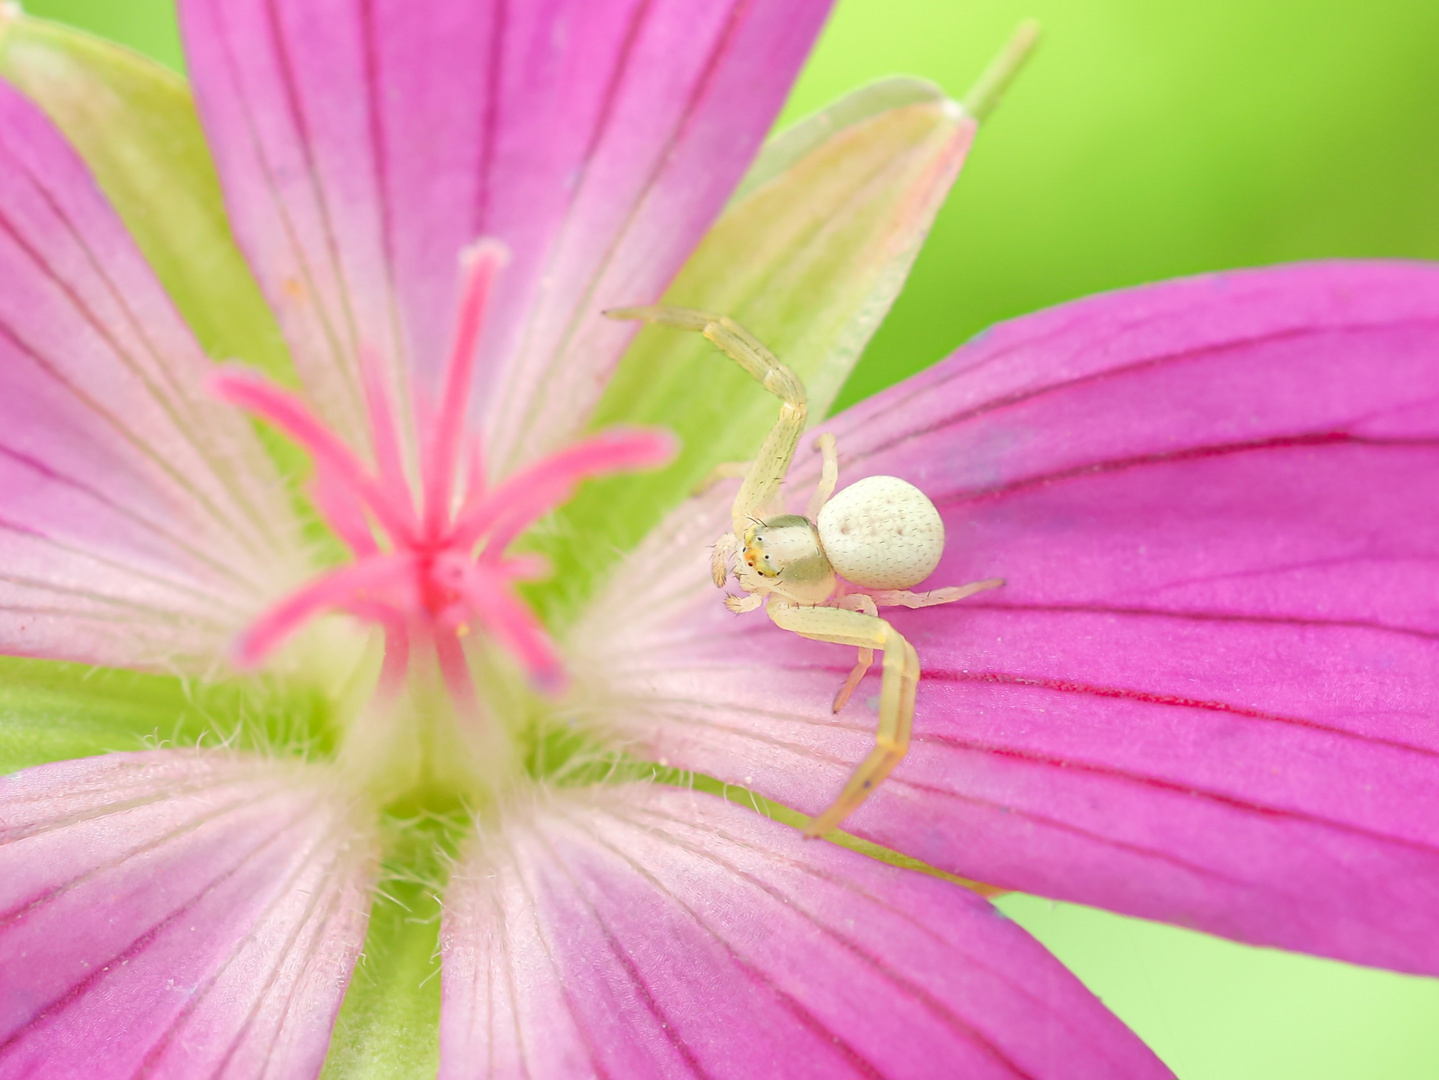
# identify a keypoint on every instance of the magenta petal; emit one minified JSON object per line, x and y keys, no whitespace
{"x":361,"y":145}
{"x":139,"y":521}
{"x":175,"y":914}
{"x":650,"y":932}
{"x":1207,"y":693}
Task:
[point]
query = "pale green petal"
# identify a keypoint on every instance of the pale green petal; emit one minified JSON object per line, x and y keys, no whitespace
{"x":809,"y":255}
{"x":389,"y":1025}
{"x":134,"y":123}
{"x":783,"y":151}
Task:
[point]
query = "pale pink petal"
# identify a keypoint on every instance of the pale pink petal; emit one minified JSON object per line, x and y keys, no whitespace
{"x":1208,"y":692}
{"x":176,"y":914}
{"x":140,"y":522}
{"x":362,"y":144}
{"x":643,"y":932}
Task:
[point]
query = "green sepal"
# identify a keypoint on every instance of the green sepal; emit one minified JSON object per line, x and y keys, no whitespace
{"x":389,"y":1024}
{"x":134,"y":123}
{"x":809,"y":256}
{"x":51,"y":710}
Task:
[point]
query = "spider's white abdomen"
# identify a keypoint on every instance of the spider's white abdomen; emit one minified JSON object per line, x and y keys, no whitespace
{"x":882,"y":533}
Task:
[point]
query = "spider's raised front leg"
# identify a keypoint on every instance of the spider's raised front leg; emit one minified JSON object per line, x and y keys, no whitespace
{"x":767,"y":471}
{"x":896,"y":694}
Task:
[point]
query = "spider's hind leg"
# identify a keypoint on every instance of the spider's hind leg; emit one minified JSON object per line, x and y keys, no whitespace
{"x":930,"y":597}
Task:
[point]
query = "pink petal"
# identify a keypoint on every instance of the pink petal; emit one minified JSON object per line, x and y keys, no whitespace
{"x":140,"y":522}
{"x":650,"y":932}
{"x":1207,"y":693}
{"x":362,"y":144}
{"x":176,"y":914}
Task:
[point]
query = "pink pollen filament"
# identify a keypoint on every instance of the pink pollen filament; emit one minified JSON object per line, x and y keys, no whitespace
{"x":484,"y":591}
{"x":530,"y":494}
{"x":380,"y":410}
{"x":367,"y":579}
{"x":288,"y":413}
{"x":481,"y":262}
{"x":423,"y":571}
{"x":337,"y":504}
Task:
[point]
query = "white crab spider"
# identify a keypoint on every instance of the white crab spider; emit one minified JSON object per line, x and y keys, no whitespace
{"x":881,"y":534}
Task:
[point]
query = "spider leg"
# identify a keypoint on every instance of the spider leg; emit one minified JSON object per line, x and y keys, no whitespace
{"x":931,"y":597}
{"x":767,"y":471}
{"x":828,"y":475}
{"x":742,"y":605}
{"x":871,"y":601}
{"x":896,"y":695}
{"x":721,"y":557}
{"x":855,"y":602}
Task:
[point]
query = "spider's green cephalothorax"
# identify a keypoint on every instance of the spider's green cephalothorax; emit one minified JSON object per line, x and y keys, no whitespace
{"x":786,"y":550}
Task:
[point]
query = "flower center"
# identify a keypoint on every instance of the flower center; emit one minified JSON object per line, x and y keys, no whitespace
{"x":430,"y":558}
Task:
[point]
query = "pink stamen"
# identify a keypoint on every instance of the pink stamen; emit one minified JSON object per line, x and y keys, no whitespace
{"x":455,"y":670}
{"x":482,"y":262}
{"x":526,"y":567}
{"x":535,"y":491}
{"x":341,"y":588}
{"x":475,"y":478}
{"x":345,"y":514}
{"x":424,"y":572}
{"x":512,"y":623}
{"x":397,"y":655}
{"x":288,"y":413}
{"x":381,"y":411}
{"x":475,"y":468}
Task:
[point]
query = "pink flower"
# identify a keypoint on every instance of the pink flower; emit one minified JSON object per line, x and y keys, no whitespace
{"x":1205,"y":693}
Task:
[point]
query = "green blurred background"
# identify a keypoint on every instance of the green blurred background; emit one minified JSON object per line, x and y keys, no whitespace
{"x":1149,"y":138}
